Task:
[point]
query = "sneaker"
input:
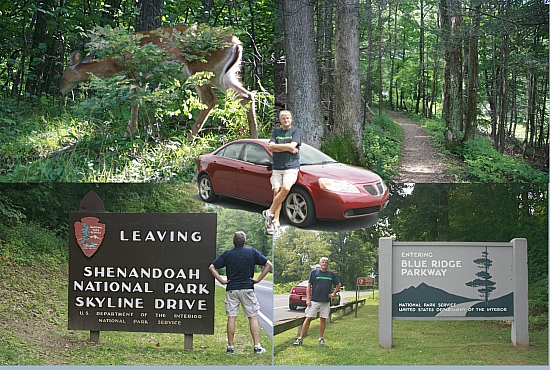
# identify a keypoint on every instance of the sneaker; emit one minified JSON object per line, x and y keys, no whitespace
{"x":276,"y":228}
{"x":268,"y":221}
{"x":298,"y":342}
{"x":230,"y":350}
{"x":258,"y":350}
{"x":321,"y":341}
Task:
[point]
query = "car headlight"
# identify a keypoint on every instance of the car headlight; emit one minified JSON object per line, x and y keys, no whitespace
{"x":338,"y":186}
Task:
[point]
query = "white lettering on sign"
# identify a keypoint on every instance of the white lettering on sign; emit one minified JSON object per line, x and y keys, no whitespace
{"x":180,"y":304}
{"x":140,"y":273}
{"x":108,"y":302}
{"x":423,"y":272}
{"x":111,"y":286}
{"x":160,"y":236}
{"x":186,"y":288}
{"x":411,"y":267}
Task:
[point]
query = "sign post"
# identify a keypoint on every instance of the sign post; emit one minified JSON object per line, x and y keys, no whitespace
{"x":362,"y":281}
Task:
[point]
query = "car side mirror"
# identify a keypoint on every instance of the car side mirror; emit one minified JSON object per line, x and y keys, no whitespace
{"x":265,"y":162}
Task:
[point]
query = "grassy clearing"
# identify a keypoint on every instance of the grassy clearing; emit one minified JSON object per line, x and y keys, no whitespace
{"x":354,"y":341}
{"x":33,"y":330}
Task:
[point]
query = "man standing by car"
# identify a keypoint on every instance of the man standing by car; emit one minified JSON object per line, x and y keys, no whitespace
{"x":239,"y":263}
{"x":285,"y":144}
{"x":318,"y":295}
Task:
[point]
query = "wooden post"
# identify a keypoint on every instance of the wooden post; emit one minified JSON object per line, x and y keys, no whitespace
{"x":188,"y":342}
{"x":92,"y":203}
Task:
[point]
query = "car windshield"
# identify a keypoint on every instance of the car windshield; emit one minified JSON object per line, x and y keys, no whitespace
{"x":309,"y":156}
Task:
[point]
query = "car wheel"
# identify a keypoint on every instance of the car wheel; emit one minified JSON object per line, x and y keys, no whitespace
{"x":206,"y":190}
{"x":292,"y":306}
{"x":298,"y":208}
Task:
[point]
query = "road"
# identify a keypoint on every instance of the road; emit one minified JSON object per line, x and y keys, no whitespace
{"x":281,"y":310}
{"x":264,"y":294}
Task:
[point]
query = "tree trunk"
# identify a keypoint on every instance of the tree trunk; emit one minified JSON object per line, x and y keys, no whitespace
{"x":44,"y":49}
{"x":421,"y":69}
{"x":370,"y":50}
{"x":347,"y":92}
{"x":451,"y":21}
{"x":150,"y":13}
{"x":304,"y":97}
{"x":380,"y":48}
{"x":279,"y":80}
{"x":325,"y":36}
{"x":473,"y":82}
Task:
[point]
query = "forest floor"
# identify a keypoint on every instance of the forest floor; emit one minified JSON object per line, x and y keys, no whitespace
{"x":421,"y":162}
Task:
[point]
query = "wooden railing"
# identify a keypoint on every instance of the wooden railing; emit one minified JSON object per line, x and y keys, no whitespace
{"x":297,"y":321}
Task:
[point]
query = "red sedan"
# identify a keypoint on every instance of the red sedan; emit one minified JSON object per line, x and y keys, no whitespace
{"x":298,"y":295}
{"x":325,"y":189}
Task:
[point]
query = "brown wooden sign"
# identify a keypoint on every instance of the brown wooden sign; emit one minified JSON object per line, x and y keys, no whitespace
{"x":141,"y":272}
{"x":365,"y":281}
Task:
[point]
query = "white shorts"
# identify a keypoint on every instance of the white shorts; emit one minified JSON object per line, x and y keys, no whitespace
{"x":322,"y":307}
{"x":278,"y":177}
{"x":246,"y":297}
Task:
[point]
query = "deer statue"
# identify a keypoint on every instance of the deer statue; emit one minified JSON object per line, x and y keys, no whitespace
{"x":224,"y":63}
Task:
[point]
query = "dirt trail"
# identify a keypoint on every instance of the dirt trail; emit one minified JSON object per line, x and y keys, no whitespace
{"x":420,"y":161}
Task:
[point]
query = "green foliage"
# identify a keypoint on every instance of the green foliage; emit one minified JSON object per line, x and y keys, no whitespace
{"x":382,"y":140}
{"x":10,"y":214}
{"x":232,"y":220}
{"x":284,"y":288}
{"x":30,"y":244}
{"x":482,"y":162}
{"x":485,"y":164}
{"x":296,"y":252}
{"x":198,"y":41}
{"x":538,"y":304}
{"x":342,"y":148}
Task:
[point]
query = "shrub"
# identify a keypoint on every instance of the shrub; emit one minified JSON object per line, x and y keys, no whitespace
{"x":382,"y":143}
{"x":29,"y":244}
{"x":485,"y":164}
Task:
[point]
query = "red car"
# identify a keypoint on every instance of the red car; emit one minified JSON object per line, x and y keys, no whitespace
{"x":297,"y":297}
{"x":325,"y":189}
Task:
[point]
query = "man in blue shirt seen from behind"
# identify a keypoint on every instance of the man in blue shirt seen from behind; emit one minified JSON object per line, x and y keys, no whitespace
{"x":239,"y":263}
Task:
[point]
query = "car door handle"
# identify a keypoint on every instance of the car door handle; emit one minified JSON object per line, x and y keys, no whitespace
{"x":241,"y":169}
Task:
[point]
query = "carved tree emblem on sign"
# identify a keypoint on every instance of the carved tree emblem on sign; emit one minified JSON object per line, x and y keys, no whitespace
{"x":484,"y":277}
{"x":89,"y":234}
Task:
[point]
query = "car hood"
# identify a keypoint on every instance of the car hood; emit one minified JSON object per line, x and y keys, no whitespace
{"x":341,"y":171}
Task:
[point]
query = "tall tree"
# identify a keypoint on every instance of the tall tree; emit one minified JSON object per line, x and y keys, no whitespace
{"x":347,"y":91}
{"x":473,"y":71}
{"x":304,"y":97}
{"x":451,"y":22}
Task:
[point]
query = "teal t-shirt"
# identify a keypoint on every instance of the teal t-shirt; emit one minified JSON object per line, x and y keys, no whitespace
{"x":321,"y":285}
{"x":286,"y":160}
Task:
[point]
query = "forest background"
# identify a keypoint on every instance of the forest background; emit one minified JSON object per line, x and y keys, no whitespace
{"x":480,"y":68}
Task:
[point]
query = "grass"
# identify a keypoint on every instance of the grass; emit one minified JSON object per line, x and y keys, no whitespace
{"x":83,"y":144}
{"x":354,"y":341}
{"x":33,"y":330}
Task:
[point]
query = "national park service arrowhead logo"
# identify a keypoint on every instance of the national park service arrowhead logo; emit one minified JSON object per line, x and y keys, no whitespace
{"x":89,"y":234}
